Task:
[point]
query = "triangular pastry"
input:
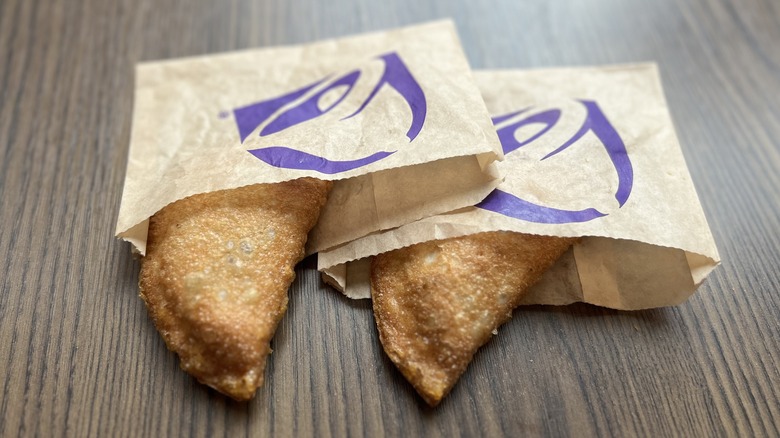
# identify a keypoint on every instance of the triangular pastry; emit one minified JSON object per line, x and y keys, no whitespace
{"x":437,"y":302}
{"x":216,"y":274}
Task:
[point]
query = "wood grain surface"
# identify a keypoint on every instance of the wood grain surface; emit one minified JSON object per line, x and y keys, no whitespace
{"x":79,"y":355}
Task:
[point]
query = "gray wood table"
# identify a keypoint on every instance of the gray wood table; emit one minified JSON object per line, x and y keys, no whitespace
{"x":79,"y":355}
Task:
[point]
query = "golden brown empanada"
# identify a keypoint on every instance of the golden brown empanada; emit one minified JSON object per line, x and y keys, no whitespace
{"x":216,"y":274}
{"x":437,"y":302}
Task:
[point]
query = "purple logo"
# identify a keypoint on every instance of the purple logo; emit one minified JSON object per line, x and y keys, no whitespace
{"x":596,"y":123}
{"x":307,"y":104}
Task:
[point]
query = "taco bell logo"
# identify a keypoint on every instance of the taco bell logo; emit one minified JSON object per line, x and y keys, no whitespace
{"x":595,"y":123}
{"x":297,"y":107}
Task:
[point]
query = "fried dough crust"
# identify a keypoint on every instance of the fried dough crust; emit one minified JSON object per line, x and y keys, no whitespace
{"x":216,"y":274}
{"x":437,"y":302}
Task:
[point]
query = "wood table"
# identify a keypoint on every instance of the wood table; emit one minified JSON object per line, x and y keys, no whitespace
{"x":79,"y":355}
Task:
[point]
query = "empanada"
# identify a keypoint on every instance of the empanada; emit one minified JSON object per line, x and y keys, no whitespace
{"x":437,"y":302}
{"x":216,"y":274}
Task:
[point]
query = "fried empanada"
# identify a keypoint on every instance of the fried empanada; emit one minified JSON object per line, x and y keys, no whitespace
{"x":437,"y":302}
{"x":216,"y":274}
